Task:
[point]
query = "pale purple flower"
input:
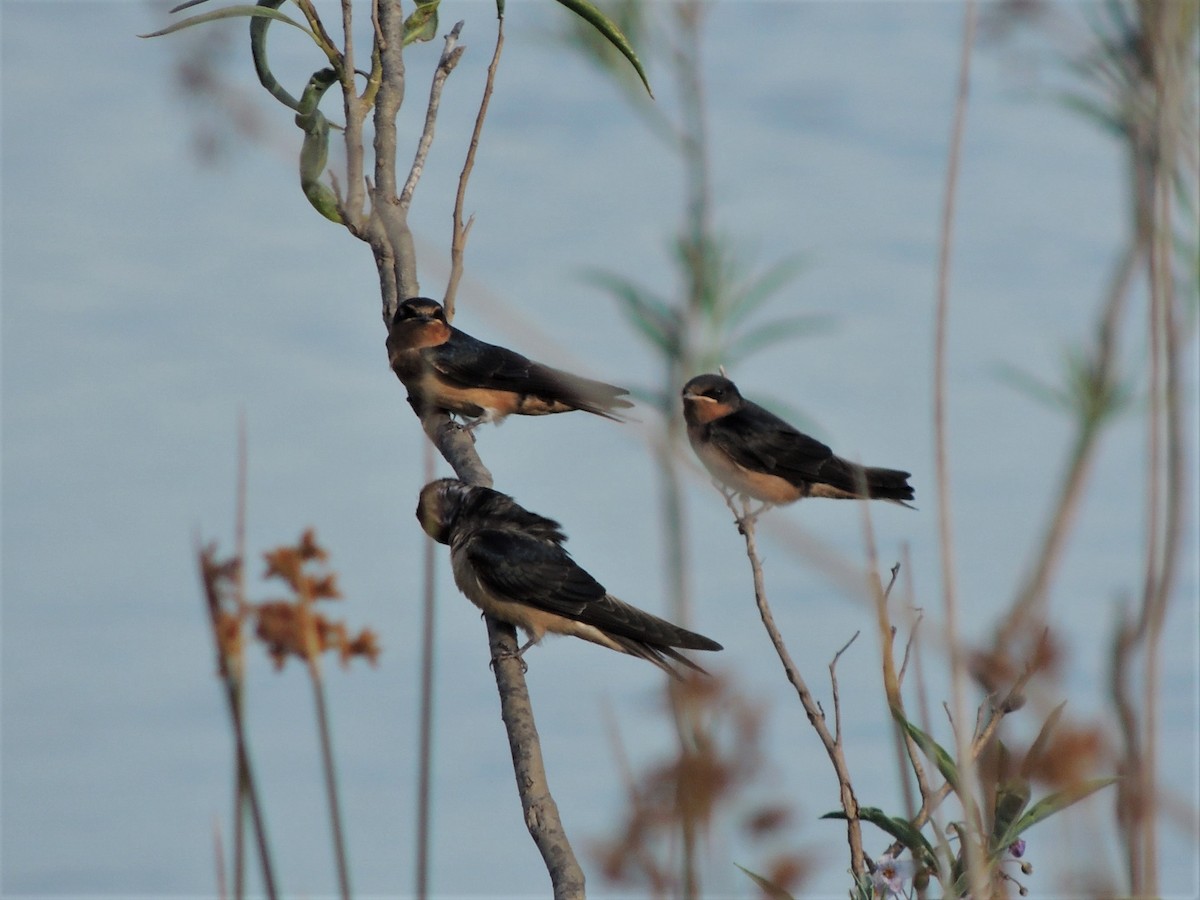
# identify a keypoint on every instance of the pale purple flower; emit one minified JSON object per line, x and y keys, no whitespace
{"x":1017,"y":848}
{"x":890,"y":875}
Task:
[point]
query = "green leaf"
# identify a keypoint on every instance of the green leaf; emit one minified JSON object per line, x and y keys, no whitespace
{"x":1011,"y":799}
{"x":753,"y":295}
{"x":422,"y":24}
{"x":768,"y":887}
{"x":650,"y":314}
{"x":231,"y":12}
{"x":1033,"y":387}
{"x":773,"y":332}
{"x":901,"y":829}
{"x":609,"y":29}
{"x":1038,"y":748}
{"x":1053,"y":803}
{"x":931,"y":748}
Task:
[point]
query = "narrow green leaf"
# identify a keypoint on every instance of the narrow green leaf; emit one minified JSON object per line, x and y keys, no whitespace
{"x":1054,"y":803}
{"x":1033,"y":387}
{"x":650,"y":314}
{"x":763,"y":287}
{"x":1038,"y":748}
{"x":773,"y":332}
{"x":768,"y":887}
{"x":901,"y":829}
{"x":608,"y":28}
{"x":931,"y":748}
{"x":1011,"y":799}
{"x":231,"y":12}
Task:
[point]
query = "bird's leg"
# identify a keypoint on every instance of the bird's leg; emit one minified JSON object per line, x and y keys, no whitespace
{"x":748,"y":515}
{"x":517,"y":654}
{"x":469,"y":425}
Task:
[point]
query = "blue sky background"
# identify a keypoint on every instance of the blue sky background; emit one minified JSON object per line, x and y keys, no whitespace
{"x":148,"y":300}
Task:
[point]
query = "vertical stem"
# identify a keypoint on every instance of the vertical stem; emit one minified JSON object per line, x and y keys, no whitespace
{"x":233,"y":696}
{"x":424,"y":751}
{"x":942,"y":463}
{"x":331,"y":791}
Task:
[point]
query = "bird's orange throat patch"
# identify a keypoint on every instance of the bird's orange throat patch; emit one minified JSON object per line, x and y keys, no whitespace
{"x":413,"y":334}
{"x":702,"y":410}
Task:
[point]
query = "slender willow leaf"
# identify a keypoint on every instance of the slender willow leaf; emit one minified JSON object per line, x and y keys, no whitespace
{"x":608,"y":28}
{"x":1033,"y":387}
{"x":1054,"y":803}
{"x":773,"y":332}
{"x":650,"y":314}
{"x":931,"y":748}
{"x":762,"y":288}
{"x":1038,"y":748}
{"x":768,"y":887}
{"x":230,"y":12}
{"x":1011,"y":799}
{"x":901,"y":829}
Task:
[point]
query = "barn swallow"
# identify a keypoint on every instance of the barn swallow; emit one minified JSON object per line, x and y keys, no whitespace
{"x":510,"y":563}
{"x":758,"y":454}
{"x":445,"y":368}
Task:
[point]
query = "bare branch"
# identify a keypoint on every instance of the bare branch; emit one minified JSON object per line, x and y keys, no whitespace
{"x":451,"y":54}
{"x":833,"y":682}
{"x":458,"y":241}
{"x":833,"y":747}
{"x":541,"y":812}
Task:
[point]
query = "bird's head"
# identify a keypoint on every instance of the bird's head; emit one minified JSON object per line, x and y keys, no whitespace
{"x":418,"y":322}
{"x":440,"y":504}
{"x":709,"y":397}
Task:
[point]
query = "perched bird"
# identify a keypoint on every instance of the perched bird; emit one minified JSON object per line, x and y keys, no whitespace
{"x":445,"y":368}
{"x":511,"y":564}
{"x":758,"y":454}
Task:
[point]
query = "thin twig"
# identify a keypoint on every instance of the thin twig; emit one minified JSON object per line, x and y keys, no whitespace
{"x":230,"y":673}
{"x":425,"y":727}
{"x":958,"y":669}
{"x":451,"y":54}
{"x":746,"y":524}
{"x":219,"y":860}
{"x":239,"y":542}
{"x":330,"y":773}
{"x":833,"y":685}
{"x":458,"y":240}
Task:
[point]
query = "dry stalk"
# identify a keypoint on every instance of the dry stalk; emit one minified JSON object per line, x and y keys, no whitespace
{"x":816,"y":716}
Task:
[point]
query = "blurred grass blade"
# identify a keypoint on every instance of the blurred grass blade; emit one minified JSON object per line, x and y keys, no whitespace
{"x":651,"y":315}
{"x":762,"y":336}
{"x":1038,"y":748}
{"x":1033,"y":387}
{"x":231,"y":12}
{"x":761,"y":289}
{"x":1056,"y":802}
{"x":609,"y":29}
{"x":768,"y":887}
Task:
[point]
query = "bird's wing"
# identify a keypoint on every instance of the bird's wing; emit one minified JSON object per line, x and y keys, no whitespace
{"x":474,"y":363}
{"x":524,"y":569}
{"x":471,"y":362}
{"x":761,"y":441}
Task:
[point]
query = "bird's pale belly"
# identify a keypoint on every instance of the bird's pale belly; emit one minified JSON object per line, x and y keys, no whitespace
{"x":759,"y":485}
